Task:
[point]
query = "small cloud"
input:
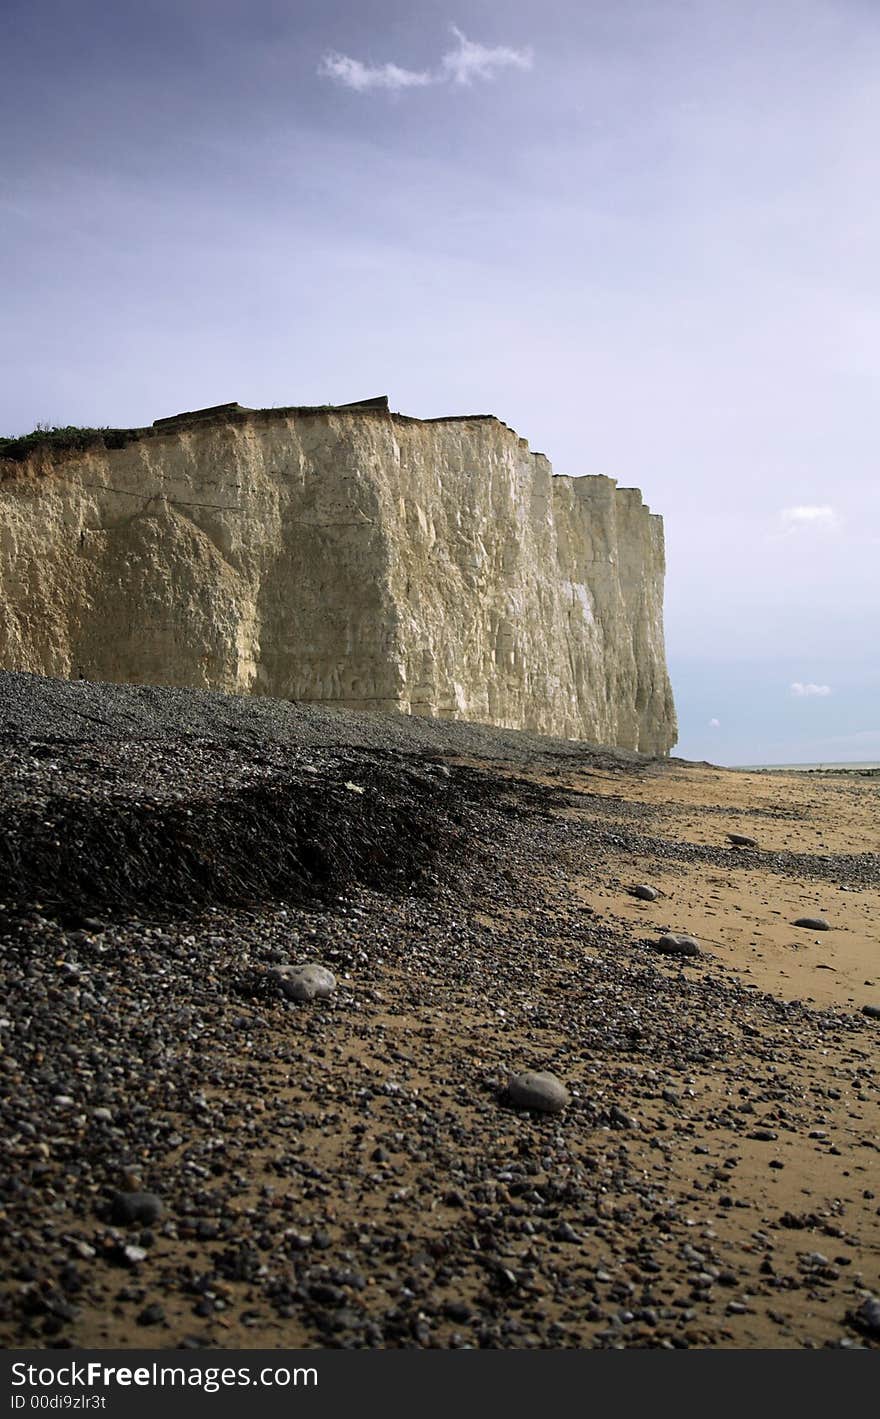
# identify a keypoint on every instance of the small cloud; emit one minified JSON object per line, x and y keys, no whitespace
{"x":802,"y":691}
{"x":362,"y":77}
{"x":714,"y":723}
{"x":462,"y":65}
{"x":809,"y":516}
{"x":478,"y":61}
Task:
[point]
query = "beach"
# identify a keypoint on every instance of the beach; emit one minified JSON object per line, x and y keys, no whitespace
{"x":351,"y":1171}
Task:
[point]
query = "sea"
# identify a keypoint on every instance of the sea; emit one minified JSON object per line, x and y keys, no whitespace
{"x":829,"y":768}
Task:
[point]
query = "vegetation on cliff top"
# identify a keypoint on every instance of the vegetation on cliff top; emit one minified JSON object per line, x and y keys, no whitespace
{"x":62,"y":440}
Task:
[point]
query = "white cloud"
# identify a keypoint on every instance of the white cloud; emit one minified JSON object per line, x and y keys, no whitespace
{"x":361,"y":77}
{"x":714,"y":723}
{"x":800,"y":690}
{"x":809,"y":516}
{"x":462,"y":65}
{"x":477,"y":61}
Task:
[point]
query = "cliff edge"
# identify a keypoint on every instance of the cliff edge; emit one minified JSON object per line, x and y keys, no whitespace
{"x":341,"y":555}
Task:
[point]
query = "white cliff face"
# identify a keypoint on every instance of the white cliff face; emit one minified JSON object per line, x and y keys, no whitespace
{"x":352,"y":557}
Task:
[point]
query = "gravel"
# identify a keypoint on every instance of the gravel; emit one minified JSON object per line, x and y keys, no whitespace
{"x":42,"y":708}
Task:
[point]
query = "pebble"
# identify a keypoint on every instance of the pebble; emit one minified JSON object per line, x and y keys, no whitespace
{"x":307,"y":982}
{"x":151,"y":1315}
{"x":873,"y":1011}
{"x":457,"y":1310}
{"x":740,"y":840}
{"x":812,"y":923}
{"x":619,"y":1119}
{"x":143,"y":1207}
{"x":644,"y":892}
{"x":539,"y":1090}
{"x":867,"y":1316}
{"x":671,"y":944}
{"x":566,"y":1233}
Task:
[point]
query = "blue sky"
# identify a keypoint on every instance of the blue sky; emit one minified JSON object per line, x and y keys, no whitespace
{"x":644,"y":233}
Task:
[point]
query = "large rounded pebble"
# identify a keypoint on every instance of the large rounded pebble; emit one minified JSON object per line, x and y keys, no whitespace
{"x":305,"y":982}
{"x":536,"y":1089}
{"x":813,"y":923}
{"x":671,"y":944}
{"x":740,"y":840}
{"x":872,"y":1010}
{"x":644,"y":892}
{"x":143,"y":1207}
{"x":867,"y":1317}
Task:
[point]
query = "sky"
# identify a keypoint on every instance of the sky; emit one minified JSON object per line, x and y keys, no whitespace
{"x":644,"y":233}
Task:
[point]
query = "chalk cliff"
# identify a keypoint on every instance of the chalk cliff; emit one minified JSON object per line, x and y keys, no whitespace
{"x":343,"y":555}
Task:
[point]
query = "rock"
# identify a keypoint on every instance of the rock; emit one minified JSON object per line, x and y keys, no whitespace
{"x":873,"y":1011}
{"x":812,"y":923}
{"x":151,"y":1315}
{"x":307,"y":982}
{"x":143,"y":1207}
{"x":671,"y":944}
{"x":644,"y":892}
{"x":457,"y":1310}
{"x":565,"y":1232}
{"x":740,"y":840}
{"x":867,"y":1316}
{"x":539,"y":1090}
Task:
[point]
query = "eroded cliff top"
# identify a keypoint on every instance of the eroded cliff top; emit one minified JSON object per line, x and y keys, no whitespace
{"x":45,"y":442}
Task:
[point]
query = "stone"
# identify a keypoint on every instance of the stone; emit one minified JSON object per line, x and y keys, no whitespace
{"x":812,"y":923}
{"x":457,"y":1310}
{"x":129,"y":1207}
{"x":872,"y":1011}
{"x":441,"y":569}
{"x":867,"y":1316}
{"x":309,"y":982}
{"x":671,"y":944}
{"x":151,"y":1315}
{"x":565,"y":1232}
{"x":740,"y":840}
{"x":538,"y":1090}
{"x":644,"y":892}
{"x":619,"y":1119}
